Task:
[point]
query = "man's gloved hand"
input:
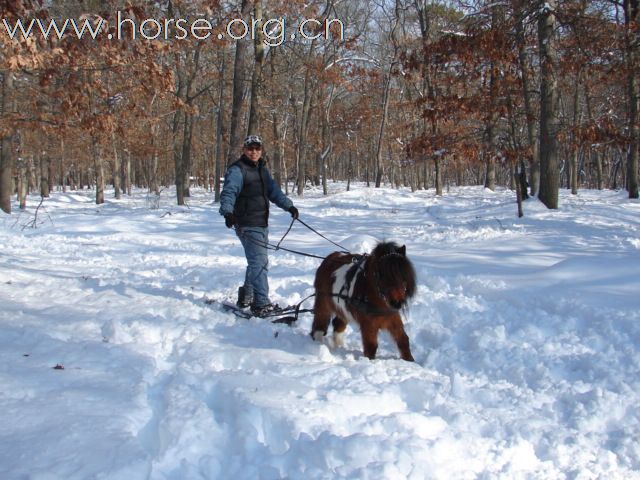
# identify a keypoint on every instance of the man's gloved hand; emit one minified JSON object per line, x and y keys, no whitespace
{"x":294,"y":212}
{"x":229,"y":220}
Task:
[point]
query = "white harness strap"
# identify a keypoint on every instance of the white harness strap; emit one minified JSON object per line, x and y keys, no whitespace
{"x":344,"y":281}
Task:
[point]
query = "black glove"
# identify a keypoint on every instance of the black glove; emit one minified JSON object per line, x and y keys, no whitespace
{"x":294,"y":212}
{"x":229,"y":220}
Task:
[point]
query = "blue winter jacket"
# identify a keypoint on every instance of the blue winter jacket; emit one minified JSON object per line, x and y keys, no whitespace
{"x":248,"y":189}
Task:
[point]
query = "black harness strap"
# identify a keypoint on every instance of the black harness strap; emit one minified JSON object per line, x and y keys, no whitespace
{"x":351,"y":274}
{"x":364,"y":306}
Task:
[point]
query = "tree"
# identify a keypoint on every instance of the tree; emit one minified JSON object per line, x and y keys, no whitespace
{"x":547,"y":44}
{"x":632,"y":50}
{"x":421,"y":92}
{"x":254,"y":123}
{"x":16,"y":55}
{"x":239,"y":69}
{"x":7,"y":159}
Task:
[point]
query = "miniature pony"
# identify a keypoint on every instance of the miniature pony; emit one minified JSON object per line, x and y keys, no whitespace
{"x":369,"y":289}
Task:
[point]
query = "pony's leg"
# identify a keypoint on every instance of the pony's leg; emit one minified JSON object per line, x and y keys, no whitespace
{"x":396,"y":329}
{"x":339,"y":326}
{"x":322,"y":311}
{"x":369,"y":338}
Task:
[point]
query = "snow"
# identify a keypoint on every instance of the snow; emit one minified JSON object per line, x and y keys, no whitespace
{"x":526,"y":334}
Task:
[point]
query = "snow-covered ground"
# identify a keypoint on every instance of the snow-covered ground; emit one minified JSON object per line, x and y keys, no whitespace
{"x":526,"y":334}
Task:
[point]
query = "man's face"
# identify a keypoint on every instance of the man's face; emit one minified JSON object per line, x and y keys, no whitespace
{"x":253,"y":152}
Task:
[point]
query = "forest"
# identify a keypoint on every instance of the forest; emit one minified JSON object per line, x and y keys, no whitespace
{"x":536,"y":96}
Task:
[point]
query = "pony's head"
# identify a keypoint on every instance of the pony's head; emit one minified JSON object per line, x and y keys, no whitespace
{"x":393,"y":272}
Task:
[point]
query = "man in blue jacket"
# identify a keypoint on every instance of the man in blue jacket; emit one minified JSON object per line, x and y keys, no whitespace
{"x":244,"y":204}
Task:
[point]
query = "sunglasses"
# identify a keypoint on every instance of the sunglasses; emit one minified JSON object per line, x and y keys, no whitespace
{"x":254,"y":148}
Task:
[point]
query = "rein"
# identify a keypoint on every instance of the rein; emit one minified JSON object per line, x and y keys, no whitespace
{"x":344,"y":250}
{"x":270,"y":246}
{"x":358,"y":303}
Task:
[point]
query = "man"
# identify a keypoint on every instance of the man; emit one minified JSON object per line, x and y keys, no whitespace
{"x":244,"y":204}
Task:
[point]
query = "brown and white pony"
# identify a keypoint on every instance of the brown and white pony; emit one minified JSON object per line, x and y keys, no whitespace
{"x":369,"y":289}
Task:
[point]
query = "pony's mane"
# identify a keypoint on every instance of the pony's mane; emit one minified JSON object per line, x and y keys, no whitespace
{"x":392,"y":264}
{"x":386,"y":248}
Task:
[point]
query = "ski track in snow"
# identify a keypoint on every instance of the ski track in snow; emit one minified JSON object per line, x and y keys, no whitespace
{"x":525,"y":334}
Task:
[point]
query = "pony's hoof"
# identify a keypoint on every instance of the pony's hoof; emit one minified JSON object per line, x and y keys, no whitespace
{"x":338,"y":339}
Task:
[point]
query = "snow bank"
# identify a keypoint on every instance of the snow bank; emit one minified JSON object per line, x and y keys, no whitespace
{"x":525,"y":334}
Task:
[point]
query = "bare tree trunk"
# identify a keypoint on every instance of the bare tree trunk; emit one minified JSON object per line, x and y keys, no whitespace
{"x":73,"y":177}
{"x":519,"y":192}
{"x":277,"y":148}
{"x":177,"y":156}
{"x":186,"y":163}
{"x":383,"y":123}
{"x":349,"y":170}
{"x":242,"y":48}
{"x":489,"y":146}
{"x":528,"y":104}
{"x":32,"y":175}
{"x":63,"y":177}
{"x":99,"y":168}
{"x":6,"y":174}
{"x":22,"y":188}
{"x":256,"y":78}
{"x":632,"y":21}
{"x":154,"y":185}
{"x":127,"y":173}
{"x":327,"y":142}
{"x":599,"y":177}
{"x":386,"y":95}
{"x":220,"y":131}
{"x":179,"y":120}
{"x":6,"y":147}
{"x":117,"y":179}
{"x":44,"y":175}
{"x":573,"y":177}
{"x":438,"y":176}
{"x":23,"y":183}
{"x":302,"y":135}
{"x":217,"y":170}
{"x":279,"y":136}
{"x":152,"y":173}
{"x":549,"y":170}
{"x":99,"y":181}
{"x":51,"y":176}
{"x":490,"y":168}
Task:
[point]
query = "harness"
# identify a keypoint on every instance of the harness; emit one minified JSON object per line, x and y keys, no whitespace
{"x":351,"y":274}
{"x":360,"y":303}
